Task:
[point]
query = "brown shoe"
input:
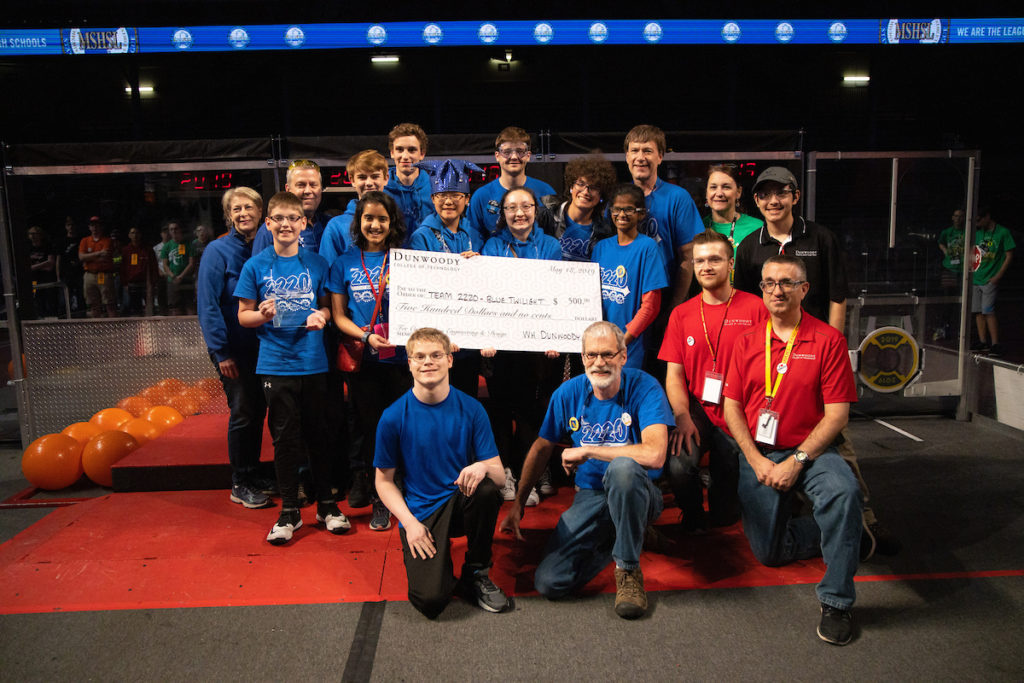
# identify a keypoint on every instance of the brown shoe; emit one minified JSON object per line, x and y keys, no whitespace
{"x":630,"y":596}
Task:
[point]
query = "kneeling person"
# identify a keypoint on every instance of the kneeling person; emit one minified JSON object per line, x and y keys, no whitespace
{"x":442,"y":441}
{"x":617,"y":420}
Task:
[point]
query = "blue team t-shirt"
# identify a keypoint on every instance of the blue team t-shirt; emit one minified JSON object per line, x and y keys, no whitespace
{"x":672,"y":220}
{"x":485,"y":206}
{"x":575,"y":241}
{"x":414,"y":200}
{"x":348,"y":277}
{"x":575,"y":413}
{"x":431,"y":444}
{"x":296,"y":283}
{"x":627,"y":273}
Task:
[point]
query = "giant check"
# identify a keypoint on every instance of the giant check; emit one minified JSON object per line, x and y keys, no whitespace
{"x":510,"y":304}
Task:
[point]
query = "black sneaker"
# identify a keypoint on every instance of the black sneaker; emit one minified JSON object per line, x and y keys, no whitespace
{"x":980,"y":346}
{"x":267,"y":485}
{"x":359,"y":494}
{"x":836,"y":625}
{"x":885,"y":542}
{"x":380,"y":520}
{"x":248,"y":497}
{"x":287,"y":523}
{"x":995,"y":350}
{"x":479,"y":587}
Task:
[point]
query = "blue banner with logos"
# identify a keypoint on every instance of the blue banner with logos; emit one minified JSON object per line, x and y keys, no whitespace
{"x":394,"y":35}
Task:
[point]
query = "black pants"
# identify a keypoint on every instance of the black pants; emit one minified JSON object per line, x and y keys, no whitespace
{"x":296,"y":420}
{"x":516,"y":407}
{"x":432,"y":581}
{"x":245,"y":425}
{"x":723,"y":465}
{"x":375,"y":387}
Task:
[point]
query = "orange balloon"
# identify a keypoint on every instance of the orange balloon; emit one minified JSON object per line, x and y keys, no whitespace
{"x":184,"y":404}
{"x":172,"y":384}
{"x":163,"y":417}
{"x":81,"y":431}
{"x":52,"y":462}
{"x":10,"y":367}
{"x":110,"y":418}
{"x":136,"y":405}
{"x":197,"y":395}
{"x":155,"y":394}
{"x":142,"y":429}
{"x":102,"y":451}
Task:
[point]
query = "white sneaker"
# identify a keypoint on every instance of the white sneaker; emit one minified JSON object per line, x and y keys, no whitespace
{"x":508,"y":491}
{"x":282,"y":532}
{"x":544,"y":486}
{"x":533,"y":499}
{"x":333,"y":519}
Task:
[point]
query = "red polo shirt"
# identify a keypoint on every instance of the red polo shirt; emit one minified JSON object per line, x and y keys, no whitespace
{"x":686,"y":344}
{"x":819,"y":372}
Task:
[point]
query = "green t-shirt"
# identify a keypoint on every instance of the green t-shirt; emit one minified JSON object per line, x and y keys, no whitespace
{"x":990,"y":247}
{"x":744,"y":226}
{"x":953,"y":239}
{"x":178,"y":256}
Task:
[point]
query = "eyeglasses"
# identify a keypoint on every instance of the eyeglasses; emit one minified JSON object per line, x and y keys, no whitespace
{"x":509,"y":152}
{"x":711,"y":261}
{"x":420,"y":358}
{"x":606,"y":356}
{"x":450,"y":196}
{"x":764,"y":195}
{"x":514,"y":208}
{"x":787,"y":285}
{"x":282,"y":220}
{"x":626,"y":210}
{"x":580,"y":186}
{"x":303,"y":163}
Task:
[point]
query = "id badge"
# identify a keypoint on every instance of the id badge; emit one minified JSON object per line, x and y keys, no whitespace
{"x":767,"y":427}
{"x":181,"y":249}
{"x":135,"y":259}
{"x":101,"y":278}
{"x":712,"y":387}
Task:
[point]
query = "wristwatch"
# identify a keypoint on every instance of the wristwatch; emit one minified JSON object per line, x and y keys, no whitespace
{"x":366,"y":336}
{"x":801,"y":457}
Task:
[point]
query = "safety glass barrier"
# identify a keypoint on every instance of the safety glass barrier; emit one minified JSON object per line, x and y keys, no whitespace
{"x":900,"y":221}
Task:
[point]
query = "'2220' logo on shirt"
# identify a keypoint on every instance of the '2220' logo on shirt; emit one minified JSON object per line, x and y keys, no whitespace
{"x":607,"y":433}
{"x":361,"y":290}
{"x":615,"y":284}
{"x":291,"y":292}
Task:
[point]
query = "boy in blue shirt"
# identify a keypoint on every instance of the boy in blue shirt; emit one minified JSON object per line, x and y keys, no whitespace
{"x":284,"y":286}
{"x":512,"y":152}
{"x":407,"y":144}
{"x":441,"y":439}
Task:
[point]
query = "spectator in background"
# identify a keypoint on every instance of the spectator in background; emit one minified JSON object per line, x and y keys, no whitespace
{"x":204,"y":235}
{"x":138,"y":273}
{"x":993,"y":251}
{"x":69,"y":268}
{"x":161,"y":282}
{"x":42,"y":259}
{"x":95,"y":253}
{"x":179,"y":263}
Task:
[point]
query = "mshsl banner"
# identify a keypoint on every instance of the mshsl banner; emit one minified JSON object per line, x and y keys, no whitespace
{"x":510,"y":304}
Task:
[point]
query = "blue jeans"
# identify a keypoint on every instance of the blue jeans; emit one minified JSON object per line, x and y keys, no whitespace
{"x":599,"y":526}
{"x":833,"y":532}
{"x":245,"y":424}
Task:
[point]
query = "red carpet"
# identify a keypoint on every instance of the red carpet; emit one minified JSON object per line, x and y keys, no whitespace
{"x":195,"y":549}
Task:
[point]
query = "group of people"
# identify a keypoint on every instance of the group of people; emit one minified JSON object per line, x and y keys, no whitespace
{"x":107,"y":277}
{"x":295,"y":313}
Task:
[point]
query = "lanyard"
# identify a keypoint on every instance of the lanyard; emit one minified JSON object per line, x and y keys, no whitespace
{"x":769,"y":391}
{"x":380,"y":281}
{"x":718,"y":340}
